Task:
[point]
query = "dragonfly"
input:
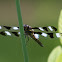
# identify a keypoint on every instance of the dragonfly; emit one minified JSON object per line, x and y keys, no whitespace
{"x":30,"y":31}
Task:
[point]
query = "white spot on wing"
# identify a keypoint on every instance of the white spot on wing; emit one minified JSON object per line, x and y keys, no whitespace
{"x":50,"y":28}
{"x":36,"y":36}
{"x":15,"y":28}
{"x":58,"y":35}
{"x":44,"y":34}
{"x":18,"y":32}
{"x":41,"y":29}
{"x":0,"y":27}
{"x":8,"y":33}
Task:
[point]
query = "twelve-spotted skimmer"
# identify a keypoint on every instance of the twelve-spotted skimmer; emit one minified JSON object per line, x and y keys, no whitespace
{"x":29,"y":31}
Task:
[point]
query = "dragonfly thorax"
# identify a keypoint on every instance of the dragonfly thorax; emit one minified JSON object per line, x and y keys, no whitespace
{"x":28,"y":29}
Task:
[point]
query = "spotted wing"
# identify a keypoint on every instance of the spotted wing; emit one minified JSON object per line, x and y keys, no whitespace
{"x":51,"y":35}
{"x":15,"y":31}
{"x":12,"y":28}
{"x":49,"y":28}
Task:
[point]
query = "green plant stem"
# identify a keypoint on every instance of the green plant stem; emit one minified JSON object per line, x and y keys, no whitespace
{"x":21,"y":31}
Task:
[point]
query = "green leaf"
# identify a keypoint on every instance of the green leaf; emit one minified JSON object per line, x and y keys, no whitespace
{"x":60,"y":25}
{"x":59,"y":58}
{"x":54,"y":54}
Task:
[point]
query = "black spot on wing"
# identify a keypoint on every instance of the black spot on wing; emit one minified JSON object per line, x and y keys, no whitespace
{"x":7,"y":27}
{"x":38,"y":33}
{"x":15,"y":33}
{"x":51,"y":35}
{"x":35,"y":28}
{"x":17,"y":27}
{"x":3,"y":33}
{"x":54,"y":28}
{"x":45,"y":28}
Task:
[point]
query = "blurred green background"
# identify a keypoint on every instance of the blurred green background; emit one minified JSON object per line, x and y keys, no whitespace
{"x":34,"y":13}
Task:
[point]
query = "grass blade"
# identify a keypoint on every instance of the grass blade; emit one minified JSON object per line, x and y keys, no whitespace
{"x":21,"y":30}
